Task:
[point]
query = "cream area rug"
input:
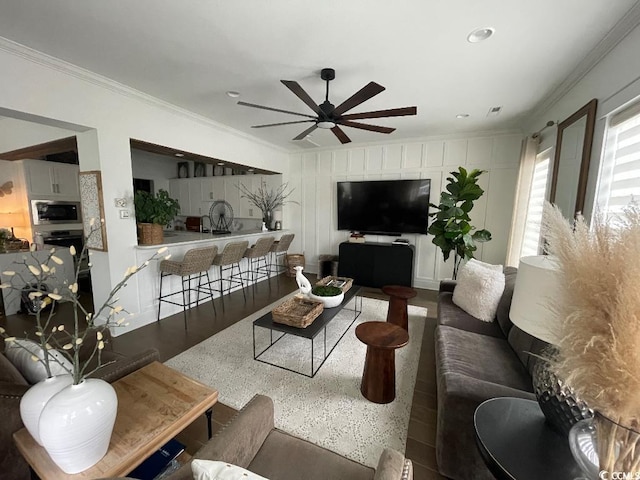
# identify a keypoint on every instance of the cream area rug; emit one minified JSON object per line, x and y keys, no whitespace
{"x":327,"y":410}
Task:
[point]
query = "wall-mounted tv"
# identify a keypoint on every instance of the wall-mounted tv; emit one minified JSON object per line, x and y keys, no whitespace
{"x":384,"y":207}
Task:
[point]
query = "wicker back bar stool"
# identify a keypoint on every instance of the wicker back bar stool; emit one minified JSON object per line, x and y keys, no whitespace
{"x":277,"y":253}
{"x":256,"y":254}
{"x":194,"y":265}
{"x":228,"y":260}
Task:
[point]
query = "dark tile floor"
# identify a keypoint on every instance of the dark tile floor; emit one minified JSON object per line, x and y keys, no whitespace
{"x":170,"y":338}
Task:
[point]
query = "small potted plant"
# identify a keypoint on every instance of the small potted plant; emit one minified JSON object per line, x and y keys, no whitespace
{"x":329,"y":296}
{"x":152,"y":213}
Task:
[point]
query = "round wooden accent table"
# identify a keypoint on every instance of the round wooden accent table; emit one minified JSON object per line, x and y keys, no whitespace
{"x":379,"y":376}
{"x":397,"y":313}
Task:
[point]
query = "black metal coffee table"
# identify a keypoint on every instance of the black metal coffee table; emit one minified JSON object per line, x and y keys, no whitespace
{"x":311,"y":332}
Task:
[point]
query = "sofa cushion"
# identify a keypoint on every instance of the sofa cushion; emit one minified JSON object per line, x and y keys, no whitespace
{"x":451,"y":315}
{"x":9,"y":373}
{"x":21,"y":352}
{"x":215,"y":470}
{"x":479,"y":289}
{"x":289,"y":458}
{"x":481,"y":357}
{"x":502,"y":314}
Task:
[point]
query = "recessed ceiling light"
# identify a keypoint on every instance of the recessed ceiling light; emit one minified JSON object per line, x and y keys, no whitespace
{"x":178,"y":154}
{"x":233,"y":94}
{"x":480,"y":34}
{"x":220,"y":163}
{"x":250,"y":170}
{"x":462,"y":115}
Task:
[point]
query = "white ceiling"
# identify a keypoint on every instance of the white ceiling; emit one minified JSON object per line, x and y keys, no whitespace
{"x":190,"y":53}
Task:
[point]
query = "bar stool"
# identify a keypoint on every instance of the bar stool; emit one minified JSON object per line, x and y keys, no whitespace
{"x":279,"y":250}
{"x":256,"y":254}
{"x":195,"y":264}
{"x":230,"y":259}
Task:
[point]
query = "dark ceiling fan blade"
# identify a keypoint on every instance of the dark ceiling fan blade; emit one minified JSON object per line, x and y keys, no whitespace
{"x":274,"y":109}
{"x":283,"y":123}
{"x":306,"y":132}
{"x":302,"y":95}
{"x":365,"y":93}
{"x":392,"y":112}
{"x":364,"y":126}
{"x":337,"y":131}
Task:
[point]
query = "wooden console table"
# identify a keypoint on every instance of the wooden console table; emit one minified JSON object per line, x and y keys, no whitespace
{"x":155,"y":403}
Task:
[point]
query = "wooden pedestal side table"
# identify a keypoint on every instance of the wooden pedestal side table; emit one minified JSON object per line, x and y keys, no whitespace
{"x":397,"y":313}
{"x":379,"y":376}
{"x":155,"y":403}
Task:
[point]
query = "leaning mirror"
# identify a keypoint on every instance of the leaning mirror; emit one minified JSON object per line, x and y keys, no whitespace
{"x":571,"y":160}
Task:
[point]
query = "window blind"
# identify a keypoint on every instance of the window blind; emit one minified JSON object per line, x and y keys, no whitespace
{"x":537,"y":196}
{"x":620,"y":171}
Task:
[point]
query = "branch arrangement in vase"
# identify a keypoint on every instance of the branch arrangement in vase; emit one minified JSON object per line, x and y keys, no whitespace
{"x":267,"y":200}
{"x":52,"y":337}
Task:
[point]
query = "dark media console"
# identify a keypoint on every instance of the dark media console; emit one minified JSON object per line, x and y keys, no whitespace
{"x":376,"y":264}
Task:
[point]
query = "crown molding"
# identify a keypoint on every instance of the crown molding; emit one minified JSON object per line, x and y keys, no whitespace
{"x":620,"y":30}
{"x":88,"y":76}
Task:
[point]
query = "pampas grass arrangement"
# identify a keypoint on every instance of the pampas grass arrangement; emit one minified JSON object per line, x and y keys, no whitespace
{"x":599,"y":350}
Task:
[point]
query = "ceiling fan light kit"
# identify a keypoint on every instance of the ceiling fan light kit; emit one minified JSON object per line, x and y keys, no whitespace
{"x":328,"y":116}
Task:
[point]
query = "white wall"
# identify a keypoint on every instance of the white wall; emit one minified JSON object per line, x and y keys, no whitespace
{"x":314,"y":176}
{"x":16,"y":134}
{"x":614,"y":81}
{"x":151,"y":166}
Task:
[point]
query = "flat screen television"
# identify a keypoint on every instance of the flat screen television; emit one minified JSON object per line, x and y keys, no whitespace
{"x":384,"y":207}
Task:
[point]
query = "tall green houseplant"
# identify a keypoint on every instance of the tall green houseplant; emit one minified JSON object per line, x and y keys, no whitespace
{"x":451,"y":228}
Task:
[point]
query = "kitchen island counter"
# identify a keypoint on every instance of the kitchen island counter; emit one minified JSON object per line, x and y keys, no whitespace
{"x":196,"y":239}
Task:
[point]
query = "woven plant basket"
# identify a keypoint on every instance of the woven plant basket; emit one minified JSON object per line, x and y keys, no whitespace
{"x":150,"y":234}
{"x":294,"y":260}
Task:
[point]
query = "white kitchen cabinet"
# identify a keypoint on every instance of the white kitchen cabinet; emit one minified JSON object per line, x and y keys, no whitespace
{"x":188,"y":192}
{"x":51,"y":179}
{"x":248,"y":209}
{"x":232,"y":194}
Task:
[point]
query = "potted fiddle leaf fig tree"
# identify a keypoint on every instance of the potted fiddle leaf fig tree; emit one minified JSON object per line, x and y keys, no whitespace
{"x":152,"y":213}
{"x":451,"y":228}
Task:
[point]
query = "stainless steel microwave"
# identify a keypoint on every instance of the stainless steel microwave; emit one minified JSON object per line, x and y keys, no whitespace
{"x":45,"y":212}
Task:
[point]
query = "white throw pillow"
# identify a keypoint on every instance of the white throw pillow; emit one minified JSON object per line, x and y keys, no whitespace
{"x":214,"y":470}
{"x":31,"y":370}
{"x":479,"y":288}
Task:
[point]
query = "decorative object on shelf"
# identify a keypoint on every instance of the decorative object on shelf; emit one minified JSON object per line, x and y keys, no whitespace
{"x":451,"y":228}
{"x":6,"y":188}
{"x":267,"y":200}
{"x":199,"y":169}
{"x":292,"y":261}
{"x":297,"y":312}
{"x":329,"y":296}
{"x":535,"y":295}
{"x":598,"y":351}
{"x":73,"y":442}
{"x":221,"y":216}
{"x":183,"y":169}
{"x":91,"y":198}
{"x":356,"y":237}
{"x":152,"y":213}
{"x":303,"y":284}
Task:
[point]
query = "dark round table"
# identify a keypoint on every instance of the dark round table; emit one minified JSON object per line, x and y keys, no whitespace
{"x":397,"y":312}
{"x":516,"y":442}
{"x":379,"y":375}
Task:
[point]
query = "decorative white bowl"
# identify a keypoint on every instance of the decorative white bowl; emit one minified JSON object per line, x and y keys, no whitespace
{"x":329,"y":302}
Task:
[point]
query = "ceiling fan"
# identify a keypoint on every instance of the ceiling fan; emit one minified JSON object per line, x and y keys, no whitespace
{"x":328,"y":116}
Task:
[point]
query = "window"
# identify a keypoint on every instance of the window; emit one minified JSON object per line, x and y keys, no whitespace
{"x":619,"y":179}
{"x":537,"y":196}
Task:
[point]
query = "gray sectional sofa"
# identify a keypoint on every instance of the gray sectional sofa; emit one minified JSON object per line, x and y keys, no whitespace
{"x":476,"y":361}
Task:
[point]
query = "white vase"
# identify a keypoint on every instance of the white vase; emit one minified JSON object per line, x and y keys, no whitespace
{"x":76,"y":424}
{"x":34,"y":401}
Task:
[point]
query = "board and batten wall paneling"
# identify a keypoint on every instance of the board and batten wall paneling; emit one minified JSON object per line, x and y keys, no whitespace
{"x":315,"y":174}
